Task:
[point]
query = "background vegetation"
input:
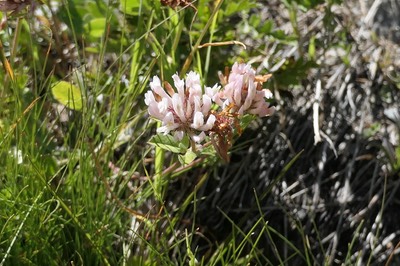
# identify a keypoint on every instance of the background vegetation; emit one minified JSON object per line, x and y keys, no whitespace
{"x":315,"y":184}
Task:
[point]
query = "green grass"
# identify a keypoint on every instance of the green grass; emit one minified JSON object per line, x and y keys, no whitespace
{"x":83,"y":187}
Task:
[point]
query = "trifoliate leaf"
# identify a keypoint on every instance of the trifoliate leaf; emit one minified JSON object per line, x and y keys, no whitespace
{"x":169,"y":143}
{"x":68,"y":95}
{"x":187,"y":158}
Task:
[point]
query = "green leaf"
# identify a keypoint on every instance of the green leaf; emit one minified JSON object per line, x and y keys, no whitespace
{"x":130,"y":7}
{"x":283,"y":37}
{"x":246,"y":120}
{"x":255,"y":20}
{"x":292,"y":72}
{"x":5,"y":194}
{"x":187,"y":158}
{"x":169,"y":143}
{"x":94,"y":50}
{"x":68,"y":95}
{"x":95,"y":8}
{"x":95,"y":27}
{"x":237,"y":6}
{"x":311,"y":48}
{"x":267,"y":27}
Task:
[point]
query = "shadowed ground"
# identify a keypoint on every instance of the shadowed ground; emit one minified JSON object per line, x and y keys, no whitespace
{"x":340,"y":197}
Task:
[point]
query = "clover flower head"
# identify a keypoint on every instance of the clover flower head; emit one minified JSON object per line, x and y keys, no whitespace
{"x":184,"y":110}
{"x":243,"y":92}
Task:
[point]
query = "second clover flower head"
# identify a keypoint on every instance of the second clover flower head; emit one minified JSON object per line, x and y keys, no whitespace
{"x":243,"y":92}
